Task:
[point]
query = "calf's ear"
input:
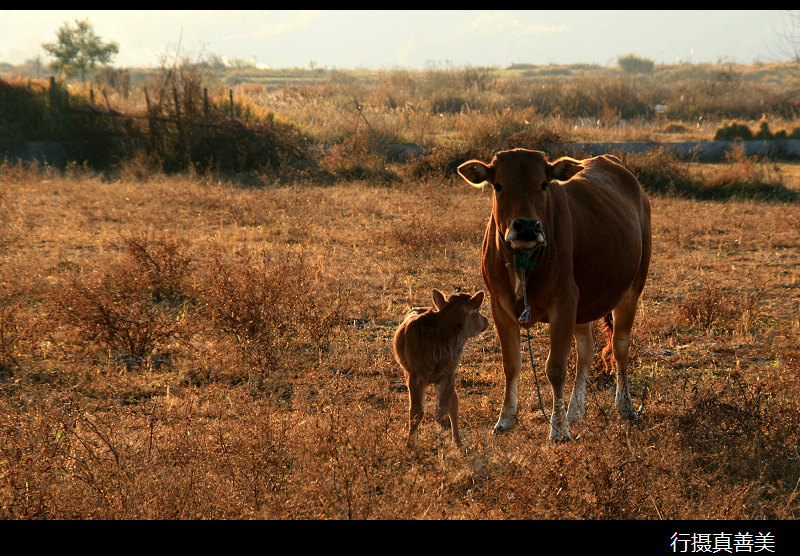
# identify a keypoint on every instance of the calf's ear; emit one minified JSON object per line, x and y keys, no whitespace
{"x":438,"y":299}
{"x":475,"y":301}
{"x":475,"y":172}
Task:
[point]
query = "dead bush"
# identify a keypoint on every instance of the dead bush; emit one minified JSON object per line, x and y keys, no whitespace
{"x":660,"y":171}
{"x":740,"y":430}
{"x":164,"y":265}
{"x":137,"y":306}
{"x":358,"y":159}
{"x":745,"y":177}
{"x":712,"y":306}
{"x":275,"y":307}
{"x":708,"y":306}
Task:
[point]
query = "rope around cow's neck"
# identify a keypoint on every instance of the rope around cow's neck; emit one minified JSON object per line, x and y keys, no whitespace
{"x":523,"y":261}
{"x":525,"y":319}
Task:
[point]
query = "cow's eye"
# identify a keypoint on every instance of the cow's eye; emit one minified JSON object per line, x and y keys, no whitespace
{"x":497,"y":187}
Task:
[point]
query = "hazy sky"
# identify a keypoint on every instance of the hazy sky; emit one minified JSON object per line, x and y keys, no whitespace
{"x":410,"y":39}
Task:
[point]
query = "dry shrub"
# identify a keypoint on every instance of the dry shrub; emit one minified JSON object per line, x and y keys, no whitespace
{"x":178,"y":130}
{"x":744,"y":433}
{"x":482,"y":135}
{"x":443,"y":161}
{"x":660,"y":171}
{"x":708,"y":306}
{"x":163,"y":264}
{"x":277,"y":308}
{"x":447,"y":102}
{"x":500,"y":129}
{"x":7,"y":236}
{"x":744,"y":177}
{"x":31,"y":430}
{"x":357,"y":159}
{"x":140,"y":304}
{"x":733,"y":131}
{"x":712,"y":306}
{"x":139,"y":167}
{"x":68,"y":463}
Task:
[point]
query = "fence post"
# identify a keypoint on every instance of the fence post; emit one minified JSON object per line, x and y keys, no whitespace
{"x":55,"y":96}
{"x":183,"y":145}
{"x":154,"y":137}
{"x":230,"y":94}
{"x":205,"y":102}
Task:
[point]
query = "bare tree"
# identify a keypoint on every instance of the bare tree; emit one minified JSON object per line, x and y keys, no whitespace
{"x":789,"y":35}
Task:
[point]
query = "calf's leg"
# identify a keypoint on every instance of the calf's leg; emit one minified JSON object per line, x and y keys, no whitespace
{"x":416,"y":394}
{"x":447,"y":403}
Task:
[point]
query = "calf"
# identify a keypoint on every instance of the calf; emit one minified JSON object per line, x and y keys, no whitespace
{"x":429,"y":344}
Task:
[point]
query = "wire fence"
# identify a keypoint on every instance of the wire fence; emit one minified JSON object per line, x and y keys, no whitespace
{"x":181,"y":127}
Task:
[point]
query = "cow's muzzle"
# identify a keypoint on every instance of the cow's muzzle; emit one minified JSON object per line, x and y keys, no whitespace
{"x":525,"y":234}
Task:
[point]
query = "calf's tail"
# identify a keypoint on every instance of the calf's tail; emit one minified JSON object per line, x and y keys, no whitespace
{"x":608,"y":321}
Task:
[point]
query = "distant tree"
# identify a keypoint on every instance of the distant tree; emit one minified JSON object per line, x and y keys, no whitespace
{"x":789,"y":35}
{"x":635,"y":64}
{"x":241,"y":63}
{"x":213,"y":61}
{"x":78,"y":49}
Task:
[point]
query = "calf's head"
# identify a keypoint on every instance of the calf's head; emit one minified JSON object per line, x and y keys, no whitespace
{"x":462,"y":312}
{"x":520,"y":179}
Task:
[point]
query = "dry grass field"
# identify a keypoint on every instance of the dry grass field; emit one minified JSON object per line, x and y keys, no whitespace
{"x":200,"y":328}
{"x":176,"y":347}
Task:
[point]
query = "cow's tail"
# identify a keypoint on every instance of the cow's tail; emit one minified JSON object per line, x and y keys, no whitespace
{"x":608,"y":320}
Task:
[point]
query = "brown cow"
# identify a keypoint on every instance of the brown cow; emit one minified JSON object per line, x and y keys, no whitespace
{"x":429,"y":344}
{"x":567,"y":243}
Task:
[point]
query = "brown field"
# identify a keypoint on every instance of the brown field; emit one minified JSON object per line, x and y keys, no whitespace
{"x":179,"y":347}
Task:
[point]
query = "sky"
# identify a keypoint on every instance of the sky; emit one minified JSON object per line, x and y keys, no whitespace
{"x":411,"y":39}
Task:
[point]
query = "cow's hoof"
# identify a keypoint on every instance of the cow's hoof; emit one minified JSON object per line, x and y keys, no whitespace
{"x":624,"y":406}
{"x":560,"y":438}
{"x":503,"y":425}
{"x":627,"y":415}
{"x":500,"y":429}
{"x":559,"y":434}
{"x":575,"y":414}
{"x":626,"y":412}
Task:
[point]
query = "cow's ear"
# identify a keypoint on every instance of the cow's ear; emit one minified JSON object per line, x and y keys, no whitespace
{"x":564,"y":168}
{"x":475,"y":172}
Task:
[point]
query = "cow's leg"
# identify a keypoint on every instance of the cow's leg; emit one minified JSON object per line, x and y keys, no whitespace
{"x":562,"y":328}
{"x":508,"y":332}
{"x":447,"y":406}
{"x":620,"y":343}
{"x":584,"y":345}
{"x":416,"y":394}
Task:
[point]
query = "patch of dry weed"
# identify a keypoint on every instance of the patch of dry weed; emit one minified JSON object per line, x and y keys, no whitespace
{"x":276,"y":395}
